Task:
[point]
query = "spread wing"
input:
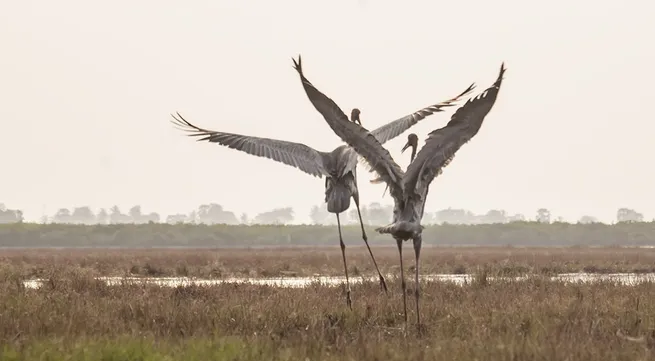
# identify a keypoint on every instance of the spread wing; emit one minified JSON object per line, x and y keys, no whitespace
{"x":442,"y":144}
{"x":397,"y":127}
{"x":357,"y":137}
{"x":296,"y":155}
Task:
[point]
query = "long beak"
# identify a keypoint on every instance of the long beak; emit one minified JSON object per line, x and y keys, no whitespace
{"x":407,"y":145}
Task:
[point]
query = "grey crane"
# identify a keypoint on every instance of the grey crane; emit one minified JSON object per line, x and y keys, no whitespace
{"x":409,"y":189}
{"x":338,"y":166}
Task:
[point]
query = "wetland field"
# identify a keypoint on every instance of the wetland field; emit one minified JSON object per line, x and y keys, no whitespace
{"x":75,"y":316}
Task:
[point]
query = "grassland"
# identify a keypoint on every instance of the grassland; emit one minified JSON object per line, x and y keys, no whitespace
{"x":74,"y":317}
{"x":192,"y":235}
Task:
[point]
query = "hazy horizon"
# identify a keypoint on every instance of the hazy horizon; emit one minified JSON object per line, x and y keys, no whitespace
{"x":383,"y":214}
{"x":88,"y":89}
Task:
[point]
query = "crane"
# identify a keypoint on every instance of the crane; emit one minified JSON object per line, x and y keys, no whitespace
{"x":409,"y":189}
{"x":338,"y":166}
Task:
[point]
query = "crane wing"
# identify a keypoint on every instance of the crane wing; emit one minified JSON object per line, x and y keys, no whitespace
{"x":357,"y":137}
{"x":442,"y":144}
{"x":397,"y":127}
{"x":296,"y":155}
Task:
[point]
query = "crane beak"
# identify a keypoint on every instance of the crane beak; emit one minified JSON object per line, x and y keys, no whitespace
{"x":407,"y":145}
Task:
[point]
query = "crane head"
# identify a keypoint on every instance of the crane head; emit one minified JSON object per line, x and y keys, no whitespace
{"x":412,"y":141}
{"x":354,"y":116}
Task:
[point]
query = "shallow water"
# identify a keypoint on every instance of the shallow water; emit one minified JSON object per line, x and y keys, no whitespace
{"x":459,"y":279}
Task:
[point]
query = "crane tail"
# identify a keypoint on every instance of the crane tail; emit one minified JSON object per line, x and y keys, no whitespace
{"x":338,"y":198}
{"x":400,"y":227}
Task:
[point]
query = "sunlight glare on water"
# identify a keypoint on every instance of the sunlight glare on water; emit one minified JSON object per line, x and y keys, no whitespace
{"x":459,"y":279}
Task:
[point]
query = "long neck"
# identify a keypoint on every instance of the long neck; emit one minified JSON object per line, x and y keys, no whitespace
{"x":413,"y":154}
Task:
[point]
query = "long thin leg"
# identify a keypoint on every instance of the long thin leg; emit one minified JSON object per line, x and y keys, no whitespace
{"x":345,"y":267}
{"x":417,"y":253}
{"x":402,"y":279}
{"x":383,"y":283}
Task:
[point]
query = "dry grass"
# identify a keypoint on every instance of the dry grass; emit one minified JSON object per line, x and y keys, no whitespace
{"x":217,"y":263}
{"x":74,"y":317}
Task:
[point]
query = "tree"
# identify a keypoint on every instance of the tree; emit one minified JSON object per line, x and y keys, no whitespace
{"x":319,"y":214}
{"x":353,"y":217}
{"x":543,"y":215}
{"x":628,"y":215}
{"x":213,"y":213}
{"x":454,"y":216}
{"x":193,"y":217}
{"x":10,"y":215}
{"x":519,"y":217}
{"x":135,"y":214}
{"x":63,"y":215}
{"x":176,"y":218}
{"x":83,"y":215}
{"x":102,"y":217}
{"x":379,"y":215}
{"x":495,"y":216}
{"x":588,"y":220}
{"x":116,"y":216}
{"x":152,"y":217}
{"x":244,"y":218}
{"x":429,"y":218}
{"x":275,"y":216}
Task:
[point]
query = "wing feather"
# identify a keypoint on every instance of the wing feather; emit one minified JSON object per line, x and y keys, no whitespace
{"x":296,"y":155}
{"x":442,"y":144}
{"x":397,"y":127}
{"x":357,"y":137}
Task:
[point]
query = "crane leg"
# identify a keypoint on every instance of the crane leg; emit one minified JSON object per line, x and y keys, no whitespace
{"x":402,"y":279}
{"x":417,"y":253}
{"x":345,"y":267}
{"x":383,"y":283}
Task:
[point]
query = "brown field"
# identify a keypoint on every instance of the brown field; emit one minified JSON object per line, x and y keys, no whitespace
{"x":75,"y":317}
{"x":303,"y":261}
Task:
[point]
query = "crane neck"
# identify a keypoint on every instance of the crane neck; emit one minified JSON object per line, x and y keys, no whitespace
{"x":411,"y":159}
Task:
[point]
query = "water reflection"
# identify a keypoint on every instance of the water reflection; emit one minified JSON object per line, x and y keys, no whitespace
{"x":459,"y":279}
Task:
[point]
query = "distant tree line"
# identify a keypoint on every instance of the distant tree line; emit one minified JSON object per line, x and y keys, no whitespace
{"x":239,"y":236}
{"x":372,"y":214}
{"x":10,"y":215}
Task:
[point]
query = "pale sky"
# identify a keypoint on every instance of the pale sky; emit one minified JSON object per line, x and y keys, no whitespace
{"x":88,"y":87}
